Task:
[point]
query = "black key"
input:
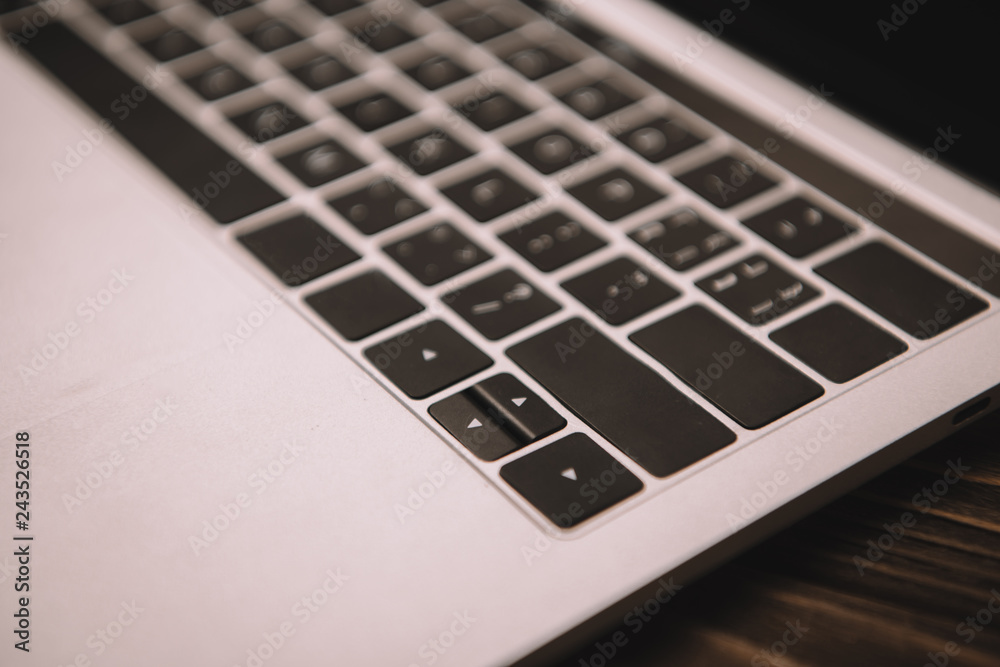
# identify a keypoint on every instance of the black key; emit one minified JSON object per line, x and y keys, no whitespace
{"x":615,"y":194}
{"x":553,"y":241}
{"x":217,"y":82}
{"x":683,"y":240}
{"x":172,"y":44}
{"x":269,"y":121}
{"x":298,"y":249}
{"x":757,"y":289}
{"x":596,"y":100}
{"x":321,"y":163}
{"x":223,"y":7}
{"x":322,"y":72}
{"x":799,"y":227}
{"x":492,"y":112}
{"x":430,"y":151}
{"x":379,"y":206}
{"x":917,"y":301}
{"x":270,"y":35}
{"x":437,"y":254}
{"x":199,"y":169}
{"x":552,"y":150}
{"x":121,"y":12}
{"x":359,"y":307}
{"x":489,"y":195}
{"x":536,"y":62}
{"x":482,"y":26}
{"x":838,"y":343}
{"x":374,"y":112}
{"x":620,"y":290}
{"x":427,"y":359}
{"x":437,"y":72}
{"x":743,"y":379}
{"x":496,"y":417}
{"x":726,"y":182}
{"x":500,"y":304}
{"x":637,"y":410}
{"x":659,"y":139}
{"x":384,"y":38}
{"x":571,"y":480}
{"x":334,"y":7}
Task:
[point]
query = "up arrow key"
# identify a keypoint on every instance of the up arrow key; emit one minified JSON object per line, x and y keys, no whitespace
{"x":429,"y":355}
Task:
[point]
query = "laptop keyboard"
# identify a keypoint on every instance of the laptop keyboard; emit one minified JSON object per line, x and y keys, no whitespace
{"x":570,"y":274}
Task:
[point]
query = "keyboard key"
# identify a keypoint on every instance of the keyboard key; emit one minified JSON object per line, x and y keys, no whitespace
{"x":496,"y":417}
{"x":217,"y":82}
{"x":917,"y":301}
{"x":298,"y":249}
{"x":437,"y":254}
{"x":321,"y":163}
{"x":571,"y":480}
{"x":683,"y":240}
{"x":172,"y":44}
{"x":535,"y":62}
{"x":436,"y":72}
{"x":620,"y":290}
{"x":637,"y":410}
{"x":492,"y":112}
{"x":838,"y":343}
{"x":223,"y":7}
{"x":552,"y":150}
{"x":485,"y":25}
{"x":359,"y":307}
{"x":757,"y":290}
{"x":374,"y":112}
{"x":121,"y":12}
{"x":799,"y":228}
{"x":427,"y":359}
{"x":742,"y":378}
{"x":322,"y":72}
{"x":334,"y":7}
{"x":552,"y":241}
{"x":615,"y":194}
{"x":500,"y":304}
{"x":378,"y":206}
{"x":489,"y":195}
{"x":596,"y":100}
{"x":382,"y":38}
{"x":269,"y":121}
{"x":429,"y":151}
{"x":270,"y":35}
{"x":659,"y":139}
{"x":726,"y":182}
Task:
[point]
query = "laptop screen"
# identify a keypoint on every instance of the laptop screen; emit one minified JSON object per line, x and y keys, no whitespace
{"x":914,"y":68}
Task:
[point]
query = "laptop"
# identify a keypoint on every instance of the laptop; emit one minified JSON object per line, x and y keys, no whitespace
{"x":454,"y":333}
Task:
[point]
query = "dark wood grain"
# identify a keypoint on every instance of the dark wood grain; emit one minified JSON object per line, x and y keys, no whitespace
{"x":905,"y":600}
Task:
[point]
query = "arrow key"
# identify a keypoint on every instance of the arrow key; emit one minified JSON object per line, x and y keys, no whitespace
{"x":471,"y":425}
{"x":521,"y":411}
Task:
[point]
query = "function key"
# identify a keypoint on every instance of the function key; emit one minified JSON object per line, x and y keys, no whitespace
{"x":298,"y":250}
{"x":615,"y":194}
{"x":436,"y":72}
{"x":553,"y":241}
{"x":436,"y":254}
{"x":757,"y":290}
{"x":659,"y":139}
{"x":429,"y":151}
{"x":321,"y":163}
{"x":321,"y":72}
{"x":500,"y":304}
{"x":173,"y":43}
{"x":799,"y":227}
{"x":552,"y":150}
{"x":571,"y":480}
{"x":742,"y":378}
{"x":269,"y":121}
{"x":838,"y":343}
{"x":378,"y":206}
{"x":726,"y":182}
{"x":597,"y":99}
{"x":914,"y":299}
{"x":620,"y":290}
{"x":121,"y":12}
{"x":683,"y":240}
{"x":492,"y":112}
{"x":374,"y":112}
{"x":218,"y":81}
{"x":426,"y":359}
{"x":359,"y":307}
{"x":489,"y":195}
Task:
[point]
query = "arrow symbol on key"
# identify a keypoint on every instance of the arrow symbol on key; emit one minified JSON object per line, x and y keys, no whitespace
{"x":475,"y":423}
{"x":429,"y":355}
{"x":569,"y":473}
{"x":518,"y":401}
